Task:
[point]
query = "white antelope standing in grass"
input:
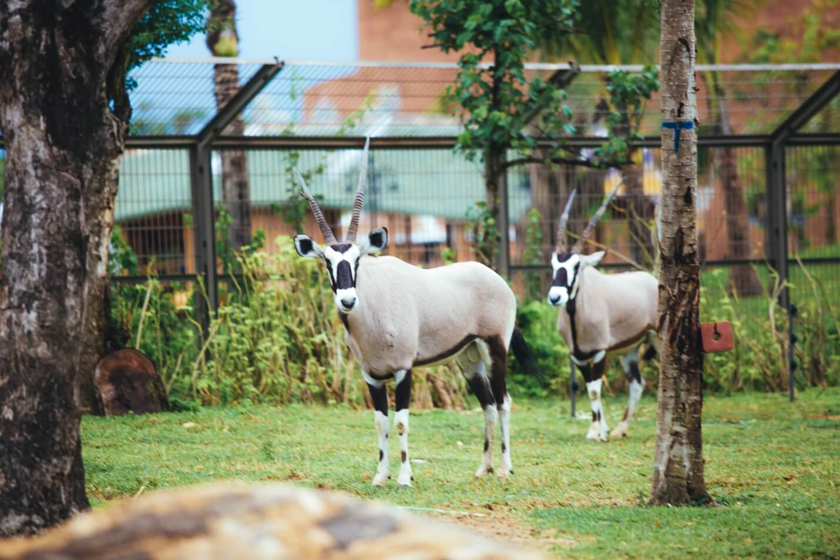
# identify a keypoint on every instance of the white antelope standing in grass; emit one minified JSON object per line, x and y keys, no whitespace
{"x":398,"y":317}
{"x":601,"y":313}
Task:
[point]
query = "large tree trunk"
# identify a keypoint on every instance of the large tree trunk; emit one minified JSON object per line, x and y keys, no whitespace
{"x":678,"y":462}
{"x":63,"y":145}
{"x":222,"y":40}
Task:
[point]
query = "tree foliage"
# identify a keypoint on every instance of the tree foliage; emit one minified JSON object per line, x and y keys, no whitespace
{"x":496,"y":98}
{"x":168,"y":22}
{"x":610,"y":32}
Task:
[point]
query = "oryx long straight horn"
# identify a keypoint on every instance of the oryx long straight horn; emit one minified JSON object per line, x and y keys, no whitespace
{"x":561,"y":226}
{"x":329,"y":237}
{"x":360,"y":196}
{"x":590,"y":227}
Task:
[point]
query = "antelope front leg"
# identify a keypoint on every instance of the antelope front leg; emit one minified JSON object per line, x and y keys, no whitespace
{"x":380,"y":418}
{"x":403,"y":397}
{"x":592,"y":374}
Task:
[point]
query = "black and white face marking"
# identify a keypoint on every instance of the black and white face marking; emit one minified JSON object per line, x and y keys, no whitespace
{"x":342,"y":262}
{"x":565,"y":273}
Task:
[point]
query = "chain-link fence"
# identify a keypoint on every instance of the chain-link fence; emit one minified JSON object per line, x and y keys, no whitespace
{"x":194,"y":187}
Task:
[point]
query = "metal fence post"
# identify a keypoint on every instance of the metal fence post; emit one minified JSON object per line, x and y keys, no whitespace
{"x":777,"y":235}
{"x":201,"y":183}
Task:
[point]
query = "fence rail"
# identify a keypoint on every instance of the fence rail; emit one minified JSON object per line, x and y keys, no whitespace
{"x":766,"y":194}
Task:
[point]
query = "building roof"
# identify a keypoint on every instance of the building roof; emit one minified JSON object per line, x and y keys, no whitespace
{"x":418,"y":182}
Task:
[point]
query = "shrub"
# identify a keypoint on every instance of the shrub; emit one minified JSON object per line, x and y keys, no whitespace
{"x":277,"y":339}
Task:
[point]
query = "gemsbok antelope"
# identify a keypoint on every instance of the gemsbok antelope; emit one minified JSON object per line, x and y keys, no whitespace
{"x":601,"y":313}
{"x":398,"y":317}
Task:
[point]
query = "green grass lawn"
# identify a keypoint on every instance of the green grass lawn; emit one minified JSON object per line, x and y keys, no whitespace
{"x":773,"y":468}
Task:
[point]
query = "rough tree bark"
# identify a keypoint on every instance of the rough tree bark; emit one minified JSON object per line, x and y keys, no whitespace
{"x":63,"y":144}
{"x":223,"y":40}
{"x":678,"y":461}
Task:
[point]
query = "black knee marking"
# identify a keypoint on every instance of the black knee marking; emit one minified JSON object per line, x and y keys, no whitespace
{"x":633,"y":372}
{"x":380,"y":398}
{"x":593,"y":372}
{"x":403,"y":456}
{"x":504,"y":447}
{"x":403,"y":392}
{"x":486,"y":446}
{"x":381,"y":455}
{"x":498,"y":356}
{"x":480,"y":386}
{"x":596,"y":416}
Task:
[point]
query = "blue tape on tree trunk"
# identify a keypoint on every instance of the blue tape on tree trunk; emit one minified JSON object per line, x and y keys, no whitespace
{"x":677,"y":127}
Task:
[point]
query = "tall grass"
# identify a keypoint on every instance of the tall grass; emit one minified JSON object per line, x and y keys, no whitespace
{"x":277,"y":339}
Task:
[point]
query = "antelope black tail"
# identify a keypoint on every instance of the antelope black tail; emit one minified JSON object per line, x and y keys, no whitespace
{"x":526,"y":358}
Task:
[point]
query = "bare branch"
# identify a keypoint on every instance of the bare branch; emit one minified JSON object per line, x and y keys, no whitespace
{"x":580,"y":162}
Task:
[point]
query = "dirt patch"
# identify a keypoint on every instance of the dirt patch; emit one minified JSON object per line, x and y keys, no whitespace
{"x":500,"y":525}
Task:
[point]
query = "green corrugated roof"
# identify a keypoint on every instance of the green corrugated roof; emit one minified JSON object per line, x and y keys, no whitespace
{"x":423,"y":182}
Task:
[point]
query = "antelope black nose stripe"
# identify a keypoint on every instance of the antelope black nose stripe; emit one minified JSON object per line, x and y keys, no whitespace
{"x":344,"y":276}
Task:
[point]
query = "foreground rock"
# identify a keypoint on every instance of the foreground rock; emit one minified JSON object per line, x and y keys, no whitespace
{"x":127,"y":381}
{"x":260,"y":522}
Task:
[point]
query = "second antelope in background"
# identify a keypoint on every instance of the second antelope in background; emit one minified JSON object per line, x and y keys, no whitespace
{"x":601,"y":313}
{"x":398,"y":317}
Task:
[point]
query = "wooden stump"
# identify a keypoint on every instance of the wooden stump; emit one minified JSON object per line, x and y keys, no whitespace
{"x":127,"y":381}
{"x":266,"y":522}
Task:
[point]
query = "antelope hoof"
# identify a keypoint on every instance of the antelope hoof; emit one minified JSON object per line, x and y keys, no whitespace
{"x":619,"y":431}
{"x":482,"y":470}
{"x":504,"y":473}
{"x":596,"y":435}
{"x":404,"y":480}
{"x":381,"y":479}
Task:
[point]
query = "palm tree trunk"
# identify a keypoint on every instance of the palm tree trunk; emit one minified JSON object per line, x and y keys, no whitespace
{"x":678,"y":462}
{"x":639,"y":208}
{"x":222,"y":40}
{"x":640,"y":213}
{"x":743,"y":280}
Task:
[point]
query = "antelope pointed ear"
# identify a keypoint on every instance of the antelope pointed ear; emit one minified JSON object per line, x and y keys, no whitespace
{"x":376,"y":241}
{"x":592,"y":260}
{"x":307,"y":248}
